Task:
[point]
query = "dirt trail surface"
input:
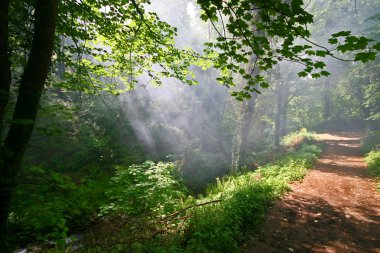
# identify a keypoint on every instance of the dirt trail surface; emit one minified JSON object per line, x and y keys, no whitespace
{"x":334,"y":209}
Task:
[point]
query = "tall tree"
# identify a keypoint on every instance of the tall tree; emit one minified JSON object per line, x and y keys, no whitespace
{"x":5,"y":67}
{"x":25,"y":112}
{"x":282,"y":101}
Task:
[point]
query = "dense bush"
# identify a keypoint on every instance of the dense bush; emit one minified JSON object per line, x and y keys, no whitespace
{"x":148,"y":188}
{"x":47,"y":204}
{"x":370,"y":141}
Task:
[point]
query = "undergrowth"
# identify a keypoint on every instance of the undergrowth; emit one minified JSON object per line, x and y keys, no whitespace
{"x":149,"y":211}
{"x":370,"y":144}
{"x":372,"y":160}
{"x":370,"y":141}
{"x":245,"y":198}
{"x":296,"y":138}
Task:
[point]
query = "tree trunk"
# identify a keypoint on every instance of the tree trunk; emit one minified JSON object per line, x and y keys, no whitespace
{"x":25,"y":112}
{"x":242,"y":131}
{"x":246,"y":126}
{"x":282,"y":100}
{"x":327,"y":102}
{"x":5,"y":66}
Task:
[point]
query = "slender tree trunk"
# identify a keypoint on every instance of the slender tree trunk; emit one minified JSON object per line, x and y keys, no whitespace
{"x":25,"y":113}
{"x":327,"y":101}
{"x":282,"y":100}
{"x":5,"y":66}
{"x":60,"y":61}
{"x":246,"y":126}
{"x":242,"y":130}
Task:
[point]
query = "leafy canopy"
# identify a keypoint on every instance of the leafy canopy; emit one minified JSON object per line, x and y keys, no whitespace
{"x":272,"y":31}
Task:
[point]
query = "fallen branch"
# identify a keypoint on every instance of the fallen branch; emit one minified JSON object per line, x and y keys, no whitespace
{"x":189,"y":207}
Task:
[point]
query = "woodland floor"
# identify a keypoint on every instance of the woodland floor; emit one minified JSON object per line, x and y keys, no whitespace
{"x":335,"y":208}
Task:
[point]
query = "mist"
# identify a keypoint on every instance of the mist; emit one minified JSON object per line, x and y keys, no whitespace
{"x":197,"y":125}
{"x":151,"y":136}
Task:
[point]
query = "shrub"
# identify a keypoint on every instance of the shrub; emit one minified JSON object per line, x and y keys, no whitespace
{"x":370,"y":141}
{"x":296,"y":138}
{"x":372,"y":160}
{"x":41,"y":206}
{"x":146,"y":188}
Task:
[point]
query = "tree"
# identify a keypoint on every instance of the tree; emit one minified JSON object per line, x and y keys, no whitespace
{"x":283,"y":21}
{"x":108,"y":44}
{"x":25,"y":112}
{"x":89,"y":27}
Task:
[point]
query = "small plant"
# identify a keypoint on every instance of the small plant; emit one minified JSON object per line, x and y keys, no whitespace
{"x":370,"y":144}
{"x":296,"y":138}
{"x":372,"y":160}
{"x":148,"y":188}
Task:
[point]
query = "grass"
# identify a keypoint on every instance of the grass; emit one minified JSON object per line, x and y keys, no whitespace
{"x":294,"y":139}
{"x":372,"y":160}
{"x":245,"y":199}
{"x":370,"y":144}
{"x":230,"y":210}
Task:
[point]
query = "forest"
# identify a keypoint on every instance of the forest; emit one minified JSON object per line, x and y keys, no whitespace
{"x":189,"y":126}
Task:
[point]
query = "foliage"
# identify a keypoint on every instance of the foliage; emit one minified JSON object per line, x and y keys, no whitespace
{"x":370,"y":141}
{"x":146,"y":189}
{"x":49,"y":206}
{"x":201,"y":168}
{"x":245,"y":198}
{"x":112,"y":46}
{"x":149,"y":211}
{"x":250,"y":27}
{"x":296,"y":138}
{"x":370,"y":145}
{"x":44,"y":204}
{"x":373,"y":164}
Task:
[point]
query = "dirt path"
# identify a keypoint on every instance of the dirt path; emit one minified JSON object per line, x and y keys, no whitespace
{"x":334,"y":209}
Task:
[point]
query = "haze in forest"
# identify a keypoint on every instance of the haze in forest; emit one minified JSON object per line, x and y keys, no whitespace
{"x":124,"y":152}
{"x":175,"y":120}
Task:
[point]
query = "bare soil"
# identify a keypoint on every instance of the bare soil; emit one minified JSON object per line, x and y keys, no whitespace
{"x":334,"y":209}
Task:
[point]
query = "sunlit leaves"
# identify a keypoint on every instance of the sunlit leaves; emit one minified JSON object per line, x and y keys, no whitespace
{"x":109,"y":44}
{"x":272,"y":31}
{"x":153,"y":189}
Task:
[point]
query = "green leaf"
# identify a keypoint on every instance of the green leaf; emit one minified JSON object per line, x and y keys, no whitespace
{"x":264,"y":85}
{"x":341,"y":34}
{"x":376,"y":46}
{"x":325,"y":73}
{"x":319,"y":65}
{"x":365,"y":57}
{"x":333,"y":41}
{"x":321,"y":53}
{"x":302,"y":74}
